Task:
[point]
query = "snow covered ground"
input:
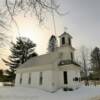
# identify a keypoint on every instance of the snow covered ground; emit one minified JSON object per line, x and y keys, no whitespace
{"x":22,"y":93}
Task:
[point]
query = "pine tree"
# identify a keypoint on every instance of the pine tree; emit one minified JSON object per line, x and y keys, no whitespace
{"x":95,"y":61}
{"x":52,"y":43}
{"x":95,"y":58}
{"x":21,"y":51}
{"x":1,"y":75}
{"x":10,"y":75}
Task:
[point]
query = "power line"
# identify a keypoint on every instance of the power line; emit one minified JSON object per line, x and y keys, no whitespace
{"x":53,"y":17}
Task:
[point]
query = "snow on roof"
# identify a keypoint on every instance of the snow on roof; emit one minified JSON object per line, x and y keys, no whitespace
{"x":40,"y":60}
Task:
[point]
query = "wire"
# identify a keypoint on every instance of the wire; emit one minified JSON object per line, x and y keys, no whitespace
{"x":53,"y":17}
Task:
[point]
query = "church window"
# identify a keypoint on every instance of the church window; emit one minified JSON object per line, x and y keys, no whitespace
{"x":41,"y":78}
{"x":69,"y":41}
{"x":29,"y":80}
{"x":20,"y":79}
{"x":71,"y":54}
{"x":63,"y":40}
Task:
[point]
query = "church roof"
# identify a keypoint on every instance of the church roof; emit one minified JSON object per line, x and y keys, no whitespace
{"x":68,"y":62}
{"x":39,"y":60}
{"x":65,"y":33}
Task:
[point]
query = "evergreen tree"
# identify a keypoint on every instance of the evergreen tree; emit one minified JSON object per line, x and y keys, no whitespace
{"x":21,"y":51}
{"x":1,"y":75}
{"x":52,"y":43}
{"x":95,"y":58}
{"x":10,"y":75}
{"x":95,"y":61}
{"x":1,"y":72}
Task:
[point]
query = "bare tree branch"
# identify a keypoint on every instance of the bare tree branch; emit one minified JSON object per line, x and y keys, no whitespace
{"x":39,"y":8}
{"x":11,"y":13}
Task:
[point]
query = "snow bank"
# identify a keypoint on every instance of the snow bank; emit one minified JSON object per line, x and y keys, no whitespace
{"x":21,"y":93}
{"x":1,"y":84}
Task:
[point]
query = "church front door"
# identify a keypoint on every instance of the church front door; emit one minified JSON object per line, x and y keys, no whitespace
{"x":65,"y":77}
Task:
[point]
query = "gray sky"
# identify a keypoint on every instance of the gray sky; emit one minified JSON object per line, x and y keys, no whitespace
{"x":83,"y":21}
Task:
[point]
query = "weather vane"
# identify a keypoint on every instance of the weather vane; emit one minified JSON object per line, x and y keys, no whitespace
{"x":65,"y":29}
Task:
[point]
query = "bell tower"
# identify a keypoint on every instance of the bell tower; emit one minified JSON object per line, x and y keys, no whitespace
{"x":65,"y":39}
{"x":66,"y":46}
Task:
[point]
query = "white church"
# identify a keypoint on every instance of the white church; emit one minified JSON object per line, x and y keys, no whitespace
{"x":51,"y":71}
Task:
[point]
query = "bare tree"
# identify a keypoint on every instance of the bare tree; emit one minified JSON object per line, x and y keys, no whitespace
{"x":83,"y":59}
{"x":4,"y":40}
{"x":39,"y":8}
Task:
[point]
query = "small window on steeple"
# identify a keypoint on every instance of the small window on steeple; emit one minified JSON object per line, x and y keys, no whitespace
{"x":71,"y":56}
{"x":69,"y":41}
{"x":63,"y":40}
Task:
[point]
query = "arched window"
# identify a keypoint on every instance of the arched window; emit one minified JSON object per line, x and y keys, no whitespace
{"x":71,"y":54}
{"x":41,"y":78}
{"x":20,"y":79}
{"x":69,"y":41}
{"x":63,"y":40}
{"x":29,"y":80}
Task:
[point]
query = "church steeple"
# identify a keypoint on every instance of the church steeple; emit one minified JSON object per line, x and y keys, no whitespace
{"x":66,"y":47}
{"x":65,"y":39}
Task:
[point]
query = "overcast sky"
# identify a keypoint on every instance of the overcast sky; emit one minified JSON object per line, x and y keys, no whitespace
{"x":82,"y":21}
